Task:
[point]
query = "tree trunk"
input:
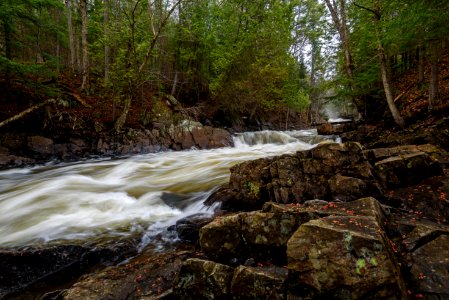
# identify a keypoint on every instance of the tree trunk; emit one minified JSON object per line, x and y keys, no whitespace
{"x":434,"y":73}
{"x":84,"y":45}
{"x":421,"y":56}
{"x":8,"y":49}
{"x":386,"y":83}
{"x":68,"y":5}
{"x":345,"y":41}
{"x":107,"y":48}
{"x":122,"y":119}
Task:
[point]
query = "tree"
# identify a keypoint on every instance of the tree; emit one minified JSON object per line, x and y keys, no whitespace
{"x":338,"y":11}
{"x":68,"y":6}
{"x":107,"y":47}
{"x":377,"y":18}
{"x":84,"y":46}
{"x":159,"y":18}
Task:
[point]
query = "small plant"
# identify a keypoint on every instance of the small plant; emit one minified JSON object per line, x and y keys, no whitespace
{"x":253,"y":188}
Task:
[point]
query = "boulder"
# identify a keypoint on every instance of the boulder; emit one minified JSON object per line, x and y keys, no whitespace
{"x":148,"y":276}
{"x":342,"y":257}
{"x":203,"y":279}
{"x":22,"y":268}
{"x":222,"y":239}
{"x":429,"y":273}
{"x":207,"y":137}
{"x":259,"y":283}
{"x":335,"y":128}
{"x":329,"y":171}
{"x":406,"y":169}
{"x":188,"y":228}
{"x":41,"y":145}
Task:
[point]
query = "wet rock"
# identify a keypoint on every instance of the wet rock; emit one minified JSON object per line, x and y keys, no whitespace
{"x":203,"y":279}
{"x":329,"y":171}
{"x":259,"y":283}
{"x":334,"y":128}
{"x":430,"y":269}
{"x":429,"y":198}
{"x":188,"y":228}
{"x":222,"y":239}
{"x":347,"y":188}
{"x":268,"y":229}
{"x":342,"y":257}
{"x":423,"y":232}
{"x":208,"y":137}
{"x":148,"y":276}
{"x":406,"y":169}
{"x":40,"y":145}
{"x":22,"y":268}
{"x":226,"y":197}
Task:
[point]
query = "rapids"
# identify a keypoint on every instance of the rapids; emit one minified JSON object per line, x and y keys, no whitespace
{"x":101,"y":199}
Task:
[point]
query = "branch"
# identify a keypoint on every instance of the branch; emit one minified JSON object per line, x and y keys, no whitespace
{"x":376,"y":13}
{"x":80,"y":100}
{"x":406,"y":91}
{"x":156,"y":37}
{"x":26,"y":111}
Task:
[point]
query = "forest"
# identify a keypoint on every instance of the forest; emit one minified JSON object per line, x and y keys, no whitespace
{"x":224,"y":149}
{"x":224,"y":60}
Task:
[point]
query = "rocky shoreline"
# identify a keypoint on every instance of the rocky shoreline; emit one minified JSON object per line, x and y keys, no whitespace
{"x":333,"y":222}
{"x":20,"y":149}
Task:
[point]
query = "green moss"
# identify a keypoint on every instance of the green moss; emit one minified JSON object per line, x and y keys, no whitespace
{"x":252,"y":188}
{"x":373,"y":261}
{"x":360,"y":266}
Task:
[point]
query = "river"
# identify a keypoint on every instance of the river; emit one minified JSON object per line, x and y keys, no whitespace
{"x":109,"y":198}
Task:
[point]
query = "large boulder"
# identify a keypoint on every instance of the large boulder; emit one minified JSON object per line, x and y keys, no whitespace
{"x":406,"y":169}
{"x":148,"y":276}
{"x":41,"y":145}
{"x":203,"y":279}
{"x":330,"y":171}
{"x":342,"y":257}
{"x":23,"y":268}
{"x":265,"y":233}
{"x":222,"y":238}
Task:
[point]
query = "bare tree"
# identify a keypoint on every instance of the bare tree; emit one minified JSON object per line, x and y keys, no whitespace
{"x":107,"y":48}
{"x":68,"y":6}
{"x":84,"y":45}
{"x":158,"y":20}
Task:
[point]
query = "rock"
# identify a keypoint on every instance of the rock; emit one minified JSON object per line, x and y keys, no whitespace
{"x":147,"y":276}
{"x":203,"y":279}
{"x":188,"y":228}
{"x":40,"y":145}
{"x":22,"y":268}
{"x":268,"y":229}
{"x":259,"y":283}
{"x":406,"y":169}
{"x":429,"y":198}
{"x":222,"y":239}
{"x":325,"y":129}
{"x":430,"y":269}
{"x":334,"y":128}
{"x":347,"y":188}
{"x":207,"y":137}
{"x":422,"y":233}
{"x":343,"y":257}
{"x":329,"y":171}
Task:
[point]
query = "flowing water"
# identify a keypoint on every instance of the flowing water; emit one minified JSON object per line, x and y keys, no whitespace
{"x":103,"y":199}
